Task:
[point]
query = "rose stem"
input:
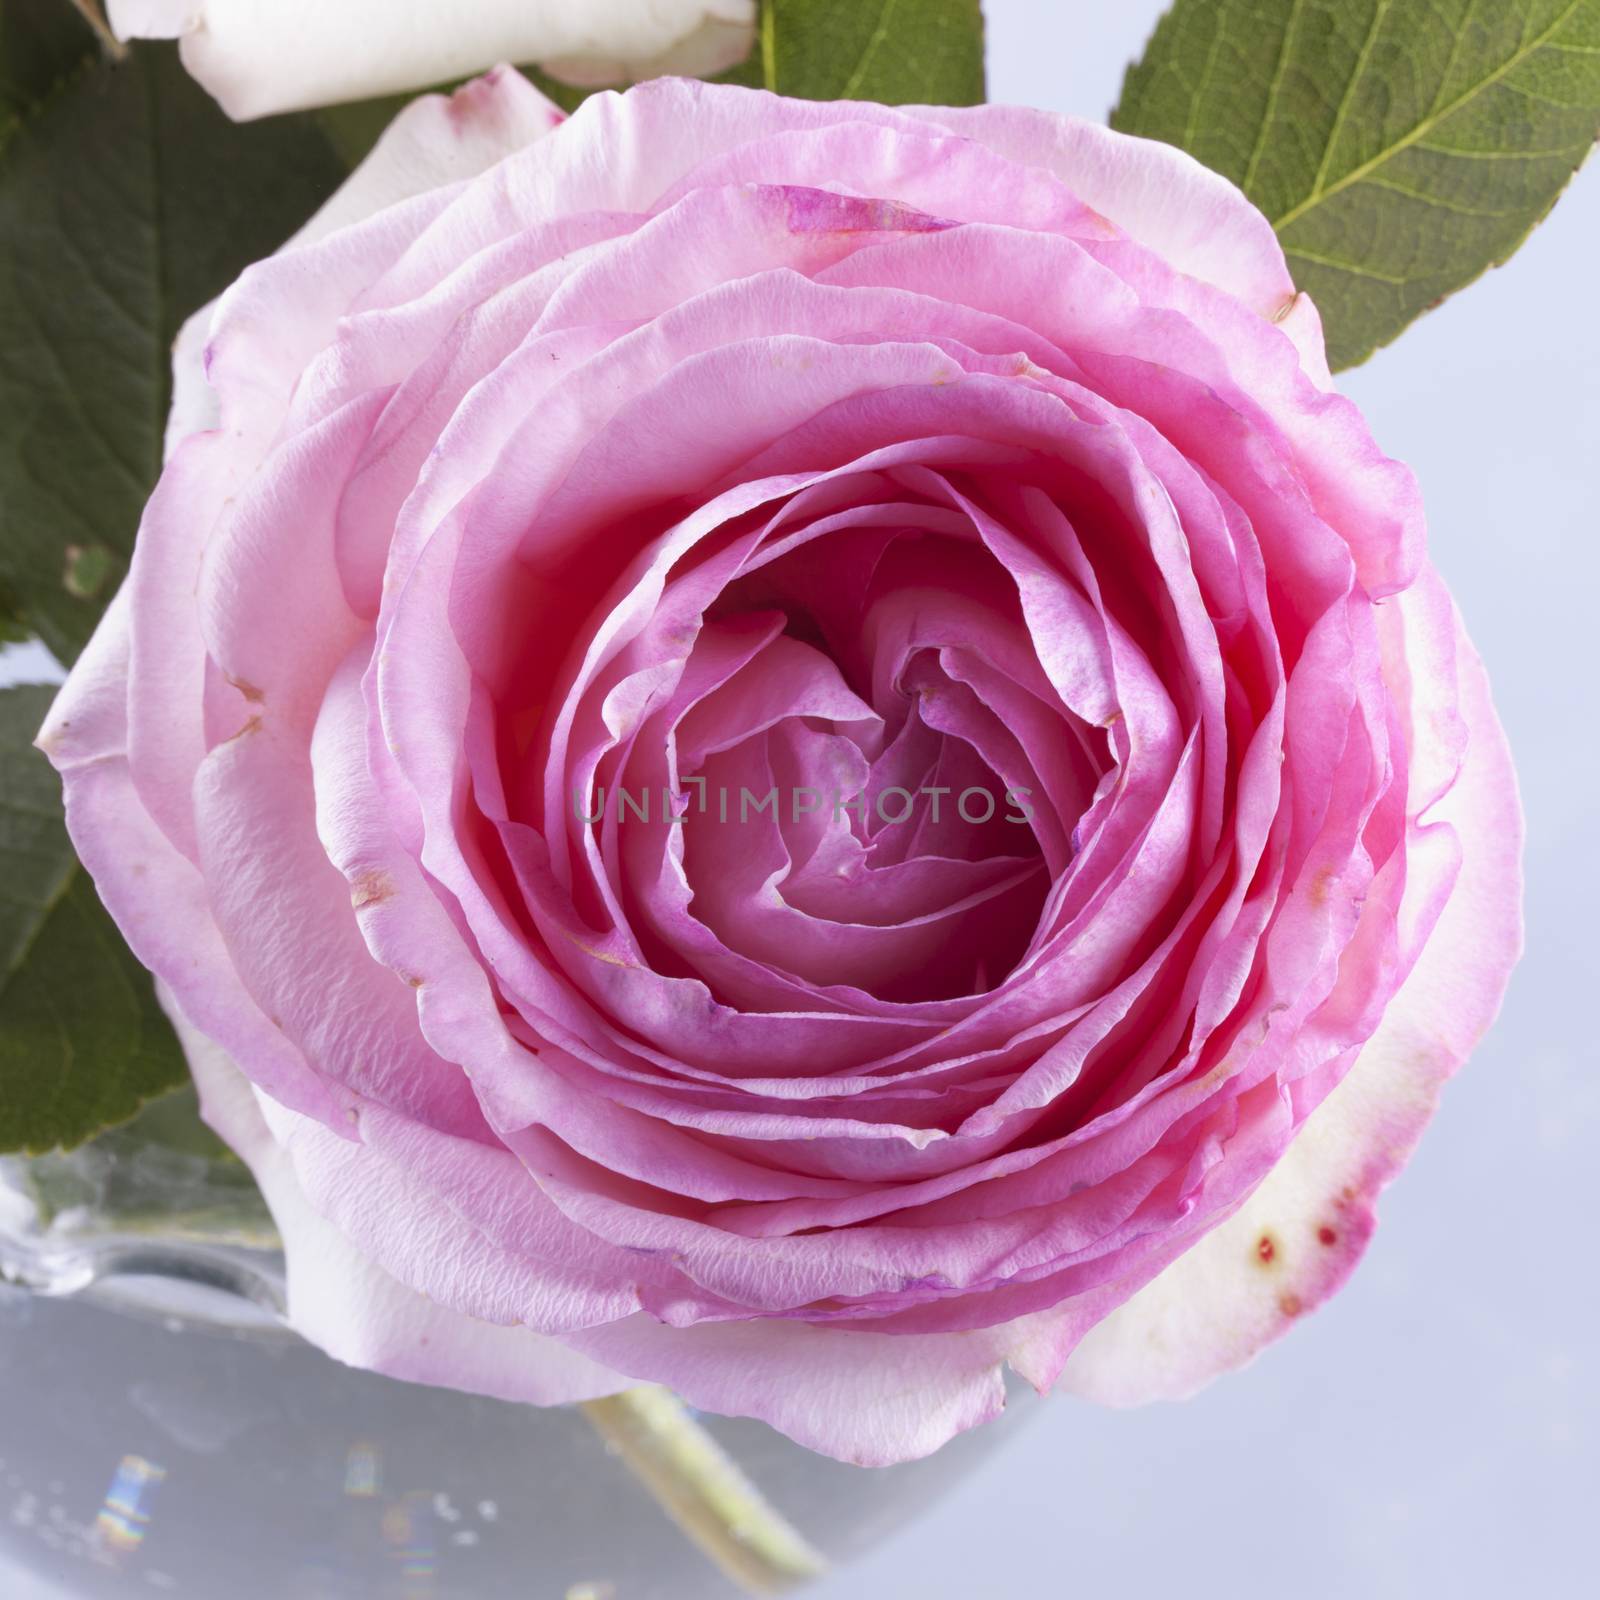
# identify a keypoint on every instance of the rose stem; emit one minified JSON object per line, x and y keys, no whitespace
{"x":700,"y":1486}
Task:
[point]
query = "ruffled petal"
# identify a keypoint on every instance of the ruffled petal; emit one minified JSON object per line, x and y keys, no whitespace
{"x":339,"y":1299}
{"x":1299,"y":1236}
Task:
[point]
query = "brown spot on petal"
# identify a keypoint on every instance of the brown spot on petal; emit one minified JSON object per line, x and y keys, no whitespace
{"x":370,"y":889}
{"x":254,"y":695}
{"x":1322,"y":886}
{"x":1290,"y":1305}
{"x":600,"y":955}
{"x":1266,"y":1249}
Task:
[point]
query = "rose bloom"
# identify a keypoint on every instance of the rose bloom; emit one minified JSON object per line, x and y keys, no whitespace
{"x":713,"y":442}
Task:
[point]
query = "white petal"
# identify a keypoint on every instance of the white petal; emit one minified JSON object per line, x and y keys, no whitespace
{"x":258,"y":58}
{"x":436,"y":140}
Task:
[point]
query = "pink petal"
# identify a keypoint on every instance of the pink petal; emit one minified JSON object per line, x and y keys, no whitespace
{"x":1299,"y":1236}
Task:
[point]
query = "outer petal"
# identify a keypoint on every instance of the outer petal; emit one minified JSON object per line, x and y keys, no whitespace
{"x":1193,"y":218}
{"x":1196,"y":220}
{"x":155,"y":893}
{"x":1299,"y":1236}
{"x":348,"y":1306}
{"x":281,"y":313}
{"x":437,"y":140}
{"x":873,"y":1399}
{"x":257,"y":59}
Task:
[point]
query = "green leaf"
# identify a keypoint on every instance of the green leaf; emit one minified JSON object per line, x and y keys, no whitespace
{"x":1400,"y":147}
{"x":41,"y":43}
{"x":83,"y":1043}
{"x":900,"y":52}
{"x":127,"y":200}
{"x":13,"y":630}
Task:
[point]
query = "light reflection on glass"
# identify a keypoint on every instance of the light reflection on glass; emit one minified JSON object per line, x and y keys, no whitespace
{"x":124,"y":1518}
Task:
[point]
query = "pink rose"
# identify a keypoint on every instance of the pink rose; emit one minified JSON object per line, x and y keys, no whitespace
{"x":827,"y":457}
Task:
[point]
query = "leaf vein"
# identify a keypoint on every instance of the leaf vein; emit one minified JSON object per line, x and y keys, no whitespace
{"x":1273,"y":90}
{"x":1352,"y":267}
{"x":1442,"y":203}
{"x":1356,"y":174}
{"x":874,"y":44}
{"x":1343,"y":110}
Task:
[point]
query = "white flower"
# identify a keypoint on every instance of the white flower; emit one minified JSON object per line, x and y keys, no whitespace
{"x":262,"y":56}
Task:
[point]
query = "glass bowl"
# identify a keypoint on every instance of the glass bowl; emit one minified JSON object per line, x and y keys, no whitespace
{"x":165,"y":1433}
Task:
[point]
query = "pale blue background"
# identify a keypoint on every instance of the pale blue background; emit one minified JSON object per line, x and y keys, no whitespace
{"x":1433,"y":1430}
